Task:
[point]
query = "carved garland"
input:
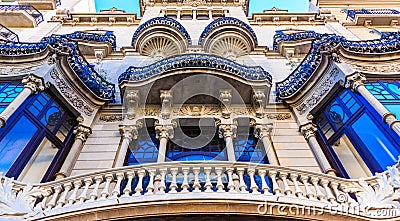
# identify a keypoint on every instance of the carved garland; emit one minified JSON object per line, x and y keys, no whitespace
{"x":319,"y":92}
{"x":70,"y":95}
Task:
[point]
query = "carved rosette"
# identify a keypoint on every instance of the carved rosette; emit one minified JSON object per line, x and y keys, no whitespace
{"x":308,"y":130}
{"x":354,"y":81}
{"x":82,"y":132}
{"x":33,"y":83}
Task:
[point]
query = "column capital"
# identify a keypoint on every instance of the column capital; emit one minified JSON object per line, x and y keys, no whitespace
{"x":82,"y":132}
{"x":390,"y":119}
{"x":34,"y":83}
{"x":227,"y":130}
{"x":308,"y":130}
{"x":262,"y":130}
{"x":355,"y":80}
{"x":165,"y":131}
{"x":129,"y":132}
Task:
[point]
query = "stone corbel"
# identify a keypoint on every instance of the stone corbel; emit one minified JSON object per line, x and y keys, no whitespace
{"x":259,"y":101}
{"x":166,"y":104}
{"x":132,"y":104}
{"x":225,"y":96}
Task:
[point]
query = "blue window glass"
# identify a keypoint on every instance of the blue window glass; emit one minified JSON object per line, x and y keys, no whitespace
{"x":8,"y":92}
{"x":387,"y":92}
{"x":247,"y":148}
{"x":375,"y":141}
{"x":144,"y":149}
{"x":348,"y":126}
{"x":15,"y":141}
{"x":39,"y":117}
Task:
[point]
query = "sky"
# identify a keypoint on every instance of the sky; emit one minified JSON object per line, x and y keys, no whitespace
{"x":255,"y":5}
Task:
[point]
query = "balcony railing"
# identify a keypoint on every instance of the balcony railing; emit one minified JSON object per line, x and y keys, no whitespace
{"x":8,"y":34}
{"x":28,"y":8}
{"x":352,"y":13}
{"x":157,"y":182}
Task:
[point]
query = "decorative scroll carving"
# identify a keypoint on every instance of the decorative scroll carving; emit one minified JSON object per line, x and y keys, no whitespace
{"x":390,"y":68}
{"x":319,"y":92}
{"x":197,"y":111}
{"x":70,"y":95}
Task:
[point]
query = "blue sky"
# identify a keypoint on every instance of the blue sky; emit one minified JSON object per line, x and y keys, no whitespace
{"x":255,"y":5}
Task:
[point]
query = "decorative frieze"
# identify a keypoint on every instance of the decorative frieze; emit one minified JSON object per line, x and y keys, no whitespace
{"x":69,"y":94}
{"x":110,"y":117}
{"x":279,"y":116}
{"x":389,"y":68}
{"x":320,"y":91}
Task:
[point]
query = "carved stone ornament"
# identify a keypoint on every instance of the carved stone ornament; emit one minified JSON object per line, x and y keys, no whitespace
{"x":193,"y":110}
{"x":308,"y":130}
{"x":34,"y":83}
{"x":18,"y":202}
{"x":227,"y":130}
{"x":110,"y":117}
{"x":355,"y":80}
{"x":390,"y":68}
{"x":320,"y":91}
{"x":82,"y":132}
{"x":279,"y":116}
{"x":384,"y":195}
{"x":70,"y":95}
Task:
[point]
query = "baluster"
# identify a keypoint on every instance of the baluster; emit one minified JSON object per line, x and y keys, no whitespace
{"x":264,"y":185}
{"x":162,"y":186}
{"x":105,"y":193}
{"x":329,"y":194}
{"x":83,"y":196}
{"x":117,"y":189}
{"x":72,"y":198}
{"x":346,"y":191}
{"x":150,"y":187}
{"x":253,"y":185}
{"x":139,"y":186}
{"x":185,"y":184}
{"x":231,"y":184}
{"x":309,"y":193}
{"x":157,"y":181}
{"x":53,"y":200}
{"x":318,"y":192}
{"x":208,"y":185}
{"x":128,"y":188}
{"x":339,"y":197}
{"x":236,"y":182}
{"x":275,"y":186}
{"x":297,"y":191}
{"x":220,"y":185}
{"x":46,"y":197}
{"x":173,"y":187}
{"x":286,"y":187}
{"x":242,"y":184}
{"x":61,"y":201}
{"x":93,"y":195}
{"x":196,"y":184}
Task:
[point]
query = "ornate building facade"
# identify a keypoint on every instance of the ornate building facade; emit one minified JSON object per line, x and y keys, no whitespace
{"x":198,"y":109}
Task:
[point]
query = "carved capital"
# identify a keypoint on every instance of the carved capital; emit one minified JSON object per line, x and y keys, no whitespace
{"x":166,"y":103}
{"x":388,"y":118}
{"x":129,"y":132}
{"x":354,"y":81}
{"x":262,"y":130}
{"x":308,"y":130}
{"x":82,"y":132}
{"x":165,"y":131}
{"x":33,"y":83}
{"x":227,"y":130}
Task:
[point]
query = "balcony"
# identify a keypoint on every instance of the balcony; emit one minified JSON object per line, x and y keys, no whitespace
{"x":176,"y":188}
{"x":374,"y":17}
{"x":42,"y":4}
{"x":20,"y":16}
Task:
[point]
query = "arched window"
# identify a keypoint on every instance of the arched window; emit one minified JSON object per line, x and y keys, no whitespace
{"x":358,"y":143}
{"x":144,"y":149}
{"x":36,"y":138}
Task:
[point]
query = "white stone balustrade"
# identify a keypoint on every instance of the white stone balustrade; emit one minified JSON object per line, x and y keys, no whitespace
{"x":157,"y":182}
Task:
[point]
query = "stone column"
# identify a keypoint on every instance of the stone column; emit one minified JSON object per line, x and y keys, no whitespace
{"x":81,"y":134}
{"x":32,"y":85}
{"x":163,"y":133}
{"x":128,"y":133}
{"x":355,"y":82}
{"x":228,"y":132}
{"x":263,"y":132}
{"x":308,"y":131}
